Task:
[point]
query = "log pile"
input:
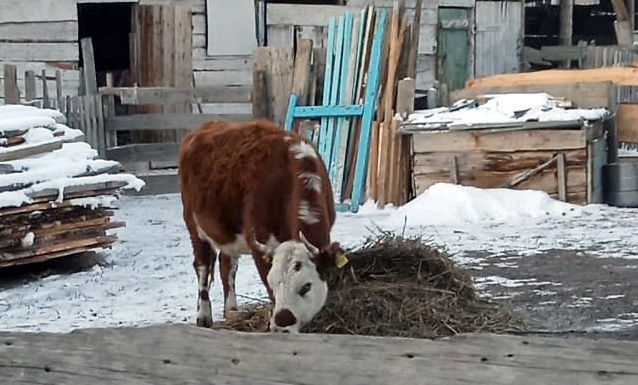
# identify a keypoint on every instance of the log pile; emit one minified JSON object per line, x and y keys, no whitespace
{"x":55,"y":192}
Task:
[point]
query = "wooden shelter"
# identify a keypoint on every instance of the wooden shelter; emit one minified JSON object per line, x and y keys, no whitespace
{"x":562,"y":158}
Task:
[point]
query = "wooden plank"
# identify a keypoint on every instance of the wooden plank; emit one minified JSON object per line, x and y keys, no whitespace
{"x":627,"y":123}
{"x":29,"y":86}
{"x":583,"y":94}
{"x":561,"y":169}
{"x":327,"y":86}
{"x":160,"y":121}
{"x":261,"y":77}
{"x":56,"y":31}
{"x":304,"y":14}
{"x":90,"y":77}
{"x":17,"y":11}
{"x":405,"y":106}
{"x":11,"y":90}
{"x":335,"y":91}
{"x":361,"y":167}
{"x":144,"y":152}
{"x":301,"y":74}
{"x":39,"y":51}
{"x":99,"y":125}
{"x":342,"y":126}
{"x":414,"y":40}
{"x":113,"y":355}
{"x":500,"y":141}
{"x":544,"y":181}
{"x":174,"y":95}
{"x":26,"y":150}
{"x":58,"y":247}
{"x":280,"y":82}
{"x":618,"y":75}
{"x":439,"y":162}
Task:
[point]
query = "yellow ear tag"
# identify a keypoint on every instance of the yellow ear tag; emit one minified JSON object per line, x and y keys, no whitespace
{"x":341,"y":260}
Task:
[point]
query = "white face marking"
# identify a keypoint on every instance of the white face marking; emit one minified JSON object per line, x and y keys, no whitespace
{"x":303,"y":150}
{"x":311,"y":180}
{"x":307,"y":214}
{"x":291,"y":270}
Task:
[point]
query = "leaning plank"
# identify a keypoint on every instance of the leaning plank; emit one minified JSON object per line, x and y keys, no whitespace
{"x":160,"y":121}
{"x":29,"y":149}
{"x":163,"y":354}
{"x":499,"y":140}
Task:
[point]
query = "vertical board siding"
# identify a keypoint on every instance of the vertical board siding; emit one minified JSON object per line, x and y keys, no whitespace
{"x":498,"y":37}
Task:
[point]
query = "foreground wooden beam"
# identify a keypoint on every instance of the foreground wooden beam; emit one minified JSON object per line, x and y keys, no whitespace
{"x":181,"y":354}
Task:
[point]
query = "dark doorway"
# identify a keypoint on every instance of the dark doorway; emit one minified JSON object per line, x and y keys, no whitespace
{"x":109,"y":26}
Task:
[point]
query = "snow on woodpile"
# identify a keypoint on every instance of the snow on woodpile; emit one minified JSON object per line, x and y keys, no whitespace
{"x":55,"y":192}
{"x":503,"y":109}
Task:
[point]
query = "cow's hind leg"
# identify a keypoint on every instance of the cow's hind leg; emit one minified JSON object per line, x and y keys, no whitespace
{"x":204,"y":265}
{"x":228,"y":271}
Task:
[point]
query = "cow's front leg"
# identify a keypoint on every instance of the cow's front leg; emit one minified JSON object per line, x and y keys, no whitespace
{"x":228,"y":271}
{"x":204,"y":264}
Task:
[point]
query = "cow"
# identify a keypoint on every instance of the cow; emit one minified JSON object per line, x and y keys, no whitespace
{"x":254,"y":188}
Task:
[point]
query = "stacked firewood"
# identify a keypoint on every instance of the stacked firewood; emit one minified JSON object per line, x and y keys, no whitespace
{"x":55,"y":193}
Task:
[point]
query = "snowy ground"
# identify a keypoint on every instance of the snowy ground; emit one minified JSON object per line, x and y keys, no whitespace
{"x":149,"y":277}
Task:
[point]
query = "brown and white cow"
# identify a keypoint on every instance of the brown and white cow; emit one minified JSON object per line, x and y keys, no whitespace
{"x":254,"y":188}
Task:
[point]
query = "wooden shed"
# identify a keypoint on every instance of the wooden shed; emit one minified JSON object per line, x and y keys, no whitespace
{"x":562,"y":158}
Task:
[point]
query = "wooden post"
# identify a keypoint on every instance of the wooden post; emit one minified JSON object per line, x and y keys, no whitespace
{"x":29,"y":86}
{"x":622,"y":24}
{"x":561,"y":173}
{"x":58,"y":90}
{"x":46,"y":103}
{"x":414,"y":40}
{"x":99,"y":125}
{"x":11,"y":90}
{"x":566,"y":27}
{"x":90,"y":77}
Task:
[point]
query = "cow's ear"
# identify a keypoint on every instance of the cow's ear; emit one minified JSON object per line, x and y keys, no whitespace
{"x":330,"y":259}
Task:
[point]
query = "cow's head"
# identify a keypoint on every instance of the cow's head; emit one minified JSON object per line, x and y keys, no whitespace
{"x":297,"y":279}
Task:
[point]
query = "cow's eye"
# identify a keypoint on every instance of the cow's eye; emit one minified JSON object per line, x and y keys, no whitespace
{"x":304,"y":289}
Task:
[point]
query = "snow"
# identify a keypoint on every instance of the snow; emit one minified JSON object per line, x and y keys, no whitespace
{"x":503,"y":108}
{"x":149,"y":276}
{"x":71,"y":165}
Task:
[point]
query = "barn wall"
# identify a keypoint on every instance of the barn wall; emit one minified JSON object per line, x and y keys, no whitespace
{"x":36,"y":32}
{"x":43,"y":34}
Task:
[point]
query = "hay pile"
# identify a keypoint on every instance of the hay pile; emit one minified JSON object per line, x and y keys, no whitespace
{"x":395,"y":286}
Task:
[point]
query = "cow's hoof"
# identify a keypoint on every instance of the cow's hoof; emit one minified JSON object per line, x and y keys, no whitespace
{"x":204,"y":322}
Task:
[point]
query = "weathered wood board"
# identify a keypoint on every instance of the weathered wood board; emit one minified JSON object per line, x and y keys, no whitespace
{"x":627,"y":123}
{"x":519,"y":159}
{"x":499,"y":140}
{"x":185,"y":354}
